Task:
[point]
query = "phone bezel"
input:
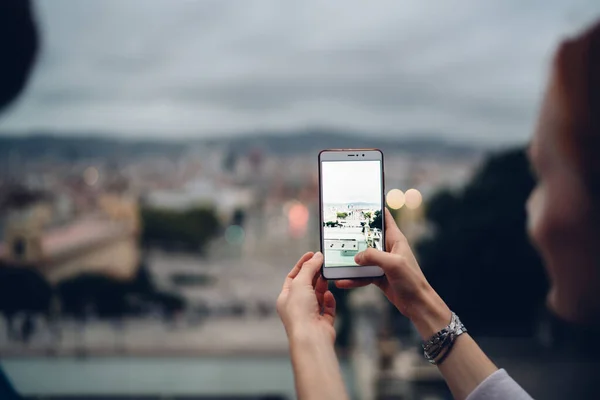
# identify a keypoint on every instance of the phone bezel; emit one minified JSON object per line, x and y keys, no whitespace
{"x":362,"y":272}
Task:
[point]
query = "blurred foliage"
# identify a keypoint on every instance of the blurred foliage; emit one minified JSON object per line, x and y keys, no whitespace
{"x":188,"y":230}
{"x":93,"y":293}
{"x":479,"y":258}
{"x":342,"y":215}
{"x":108,"y":298}
{"x":23,"y":290}
{"x":26,"y":292}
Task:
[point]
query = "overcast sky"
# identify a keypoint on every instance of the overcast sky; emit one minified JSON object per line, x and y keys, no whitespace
{"x":351,"y":182}
{"x":465,"y":70}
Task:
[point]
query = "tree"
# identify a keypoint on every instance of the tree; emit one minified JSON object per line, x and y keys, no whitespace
{"x":111,"y":298}
{"x":480,"y":259}
{"x":92,"y":291}
{"x":23,"y":290}
{"x":367,"y":215}
{"x":377,"y":221}
{"x":187,"y":230}
{"x":342,"y":215}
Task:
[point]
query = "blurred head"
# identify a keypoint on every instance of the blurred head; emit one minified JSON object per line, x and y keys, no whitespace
{"x":18,"y":48}
{"x":564,"y":208}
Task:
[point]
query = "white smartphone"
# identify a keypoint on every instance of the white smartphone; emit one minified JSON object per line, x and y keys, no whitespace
{"x":351,"y":200}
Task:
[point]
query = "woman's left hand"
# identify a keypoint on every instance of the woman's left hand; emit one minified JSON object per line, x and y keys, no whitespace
{"x":305,"y":305}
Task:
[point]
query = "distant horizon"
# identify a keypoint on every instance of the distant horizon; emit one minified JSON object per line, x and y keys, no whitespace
{"x":166,"y":137}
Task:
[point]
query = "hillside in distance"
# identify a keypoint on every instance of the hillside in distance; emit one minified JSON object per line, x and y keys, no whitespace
{"x":109,"y":147}
{"x":84,"y":147}
{"x":316,"y":140}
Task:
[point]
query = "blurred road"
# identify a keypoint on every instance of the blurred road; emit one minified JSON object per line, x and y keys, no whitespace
{"x":148,"y":337}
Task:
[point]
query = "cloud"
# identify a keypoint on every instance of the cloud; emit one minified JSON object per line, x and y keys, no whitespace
{"x":463,"y":69}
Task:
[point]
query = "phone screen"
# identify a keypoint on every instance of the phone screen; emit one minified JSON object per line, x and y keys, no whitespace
{"x":352,"y":210}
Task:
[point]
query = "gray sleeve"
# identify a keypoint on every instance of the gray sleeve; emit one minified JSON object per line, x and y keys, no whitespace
{"x":499,"y":386}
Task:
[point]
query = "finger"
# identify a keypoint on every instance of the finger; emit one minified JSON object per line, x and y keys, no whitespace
{"x":315,"y":280}
{"x":294,"y":272}
{"x":388,"y":262}
{"x":394,"y":238}
{"x":320,"y":289}
{"x":353,"y":283}
{"x":309,"y":269}
{"x":329,"y":306}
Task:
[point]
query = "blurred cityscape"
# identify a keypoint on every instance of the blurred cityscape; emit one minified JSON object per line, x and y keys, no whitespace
{"x":172,"y":252}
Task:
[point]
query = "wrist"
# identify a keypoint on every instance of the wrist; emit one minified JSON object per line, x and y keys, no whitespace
{"x":304,"y":338}
{"x":429,"y":313}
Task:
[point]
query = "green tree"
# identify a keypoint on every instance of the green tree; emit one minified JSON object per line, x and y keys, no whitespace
{"x":377,"y":221}
{"x":342,"y":215}
{"x":188,"y":230}
{"x":480,"y":259}
{"x":367,"y":215}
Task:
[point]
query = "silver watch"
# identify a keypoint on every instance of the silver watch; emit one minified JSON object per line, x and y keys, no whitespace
{"x":437,"y":348}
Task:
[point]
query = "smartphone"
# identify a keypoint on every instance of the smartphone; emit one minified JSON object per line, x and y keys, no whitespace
{"x":351,"y":201}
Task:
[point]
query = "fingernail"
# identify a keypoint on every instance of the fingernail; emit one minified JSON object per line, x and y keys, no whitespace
{"x":358,"y":257}
{"x":317,"y":255}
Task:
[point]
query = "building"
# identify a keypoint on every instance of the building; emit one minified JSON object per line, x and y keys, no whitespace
{"x":104,"y":242}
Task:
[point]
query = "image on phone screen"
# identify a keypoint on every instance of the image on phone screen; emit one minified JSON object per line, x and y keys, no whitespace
{"x":352,"y":209}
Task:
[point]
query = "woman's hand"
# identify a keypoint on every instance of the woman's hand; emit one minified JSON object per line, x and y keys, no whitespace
{"x":307,"y":310}
{"x":305,"y":305}
{"x":404,"y":283}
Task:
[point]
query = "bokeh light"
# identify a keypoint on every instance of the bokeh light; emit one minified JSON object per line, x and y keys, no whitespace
{"x":234,"y":234}
{"x":413,"y":198}
{"x":298,"y":219}
{"x":395,"y":199}
{"x":90,"y":176}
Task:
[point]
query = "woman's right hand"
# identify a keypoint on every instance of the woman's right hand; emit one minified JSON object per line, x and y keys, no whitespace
{"x":403,"y":283}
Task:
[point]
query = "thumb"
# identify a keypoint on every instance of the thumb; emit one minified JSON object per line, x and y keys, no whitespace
{"x":310,"y":269}
{"x":390,"y":263}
